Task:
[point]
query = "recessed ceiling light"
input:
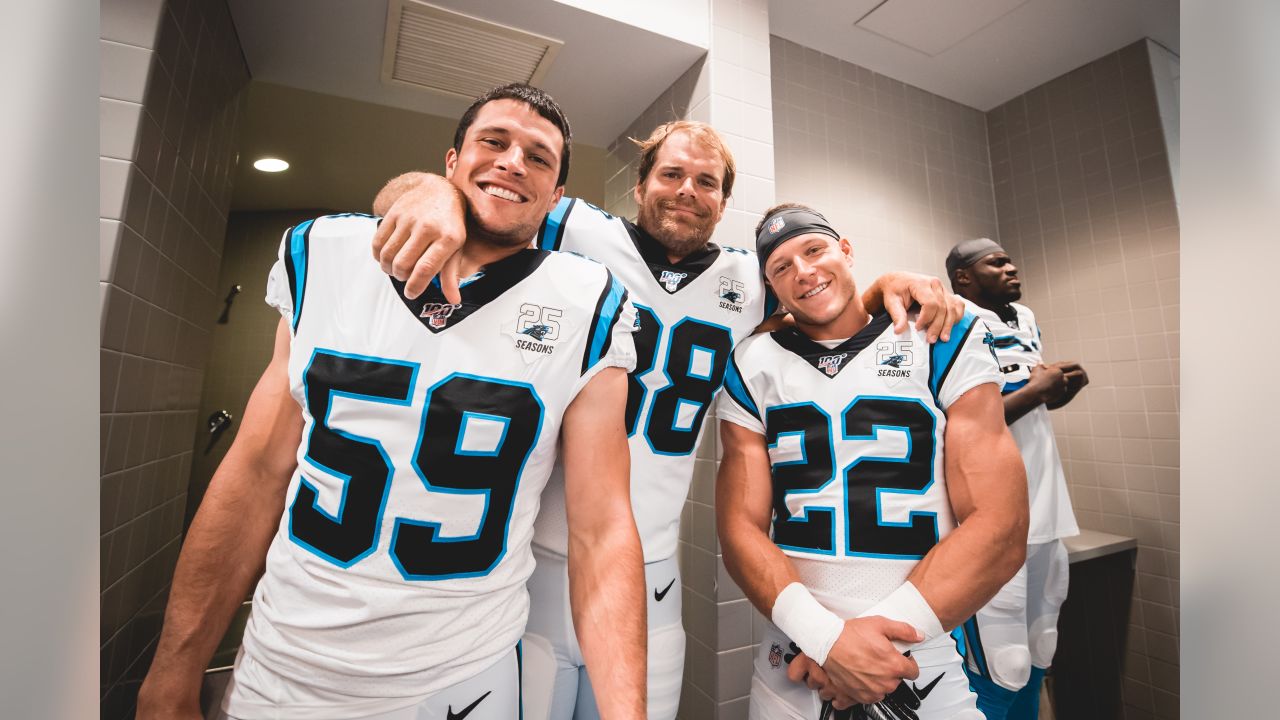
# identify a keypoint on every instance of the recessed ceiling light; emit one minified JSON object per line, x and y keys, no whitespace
{"x":270,"y":165}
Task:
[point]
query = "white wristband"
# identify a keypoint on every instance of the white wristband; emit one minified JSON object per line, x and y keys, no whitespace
{"x":907,"y":605}
{"x":809,"y":625}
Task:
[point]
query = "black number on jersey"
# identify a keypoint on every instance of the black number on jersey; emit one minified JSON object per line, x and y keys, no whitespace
{"x":442,"y":463}
{"x":865,"y":479}
{"x":697,"y":354}
{"x":810,"y":427}
{"x":869,"y":475}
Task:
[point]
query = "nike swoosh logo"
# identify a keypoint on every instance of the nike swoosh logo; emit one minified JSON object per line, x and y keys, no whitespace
{"x":923,"y":692}
{"x":659,"y":594}
{"x":467,"y":710}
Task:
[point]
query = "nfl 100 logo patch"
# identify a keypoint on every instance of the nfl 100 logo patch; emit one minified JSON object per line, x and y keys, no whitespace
{"x":438,"y":314}
{"x":831,"y":364}
{"x":671,"y":279}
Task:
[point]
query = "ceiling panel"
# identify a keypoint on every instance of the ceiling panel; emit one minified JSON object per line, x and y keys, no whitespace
{"x":931,"y":26}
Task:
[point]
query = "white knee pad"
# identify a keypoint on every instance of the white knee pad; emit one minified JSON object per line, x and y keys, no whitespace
{"x":1010,"y":666}
{"x":1044,"y":644}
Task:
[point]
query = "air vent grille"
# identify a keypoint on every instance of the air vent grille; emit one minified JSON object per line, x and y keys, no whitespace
{"x":437,"y":49}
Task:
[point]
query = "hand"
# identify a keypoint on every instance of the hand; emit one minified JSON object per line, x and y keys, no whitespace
{"x":164,"y":698}
{"x":1049,"y":383}
{"x":864,"y":665}
{"x":421,"y":235}
{"x":803,"y":670}
{"x":1076,"y":378}
{"x":939,"y":309}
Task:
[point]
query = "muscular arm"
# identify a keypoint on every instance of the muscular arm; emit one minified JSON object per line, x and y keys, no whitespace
{"x":895,"y":292}
{"x":863,"y":665}
{"x":606,"y":564}
{"x":226,"y":546}
{"x":423,"y":227}
{"x":987,"y":486}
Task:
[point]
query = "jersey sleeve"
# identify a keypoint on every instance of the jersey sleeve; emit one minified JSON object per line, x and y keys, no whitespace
{"x":609,"y":342}
{"x":737,"y":403}
{"x":962,"y":363}
{"x":286,"y":283}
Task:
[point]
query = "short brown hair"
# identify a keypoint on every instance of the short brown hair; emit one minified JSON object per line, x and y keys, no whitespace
{"x":700,"y":131}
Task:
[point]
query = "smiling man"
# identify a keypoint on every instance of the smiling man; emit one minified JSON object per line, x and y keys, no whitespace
{"x":392,"y":458}
{"x":870,"y":496}
{"x":695,"y":300}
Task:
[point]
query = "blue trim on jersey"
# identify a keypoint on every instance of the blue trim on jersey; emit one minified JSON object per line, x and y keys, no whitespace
{"x":806,"y":509}
{"x":551,"y":228}
{"x":804,"y":454}
{"x":298,"y":258}
{"x":675,"y":417}
{"x":486,"y":492}
{"x":346,"y":479}
{"x":462,"y":431}
{"x":874,"y":436}
{"x":737,"y":389}
{"x":1014,"y":386}
{"x":604,"y":323}
{"x":641,"y":425}
{"x":943,"y":354}
{"x":770,"y":303}
{"x":666,"y":373}
{"x":711,"y":365}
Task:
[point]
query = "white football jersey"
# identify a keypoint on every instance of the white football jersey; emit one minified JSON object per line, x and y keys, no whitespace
{"x":400,"y":563}
{"x":1018,"y":348}
{"x":855,"y":438}
{"x":689,"y":317}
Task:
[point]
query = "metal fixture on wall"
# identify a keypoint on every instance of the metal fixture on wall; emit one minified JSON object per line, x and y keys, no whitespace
{"x":226,"y":310}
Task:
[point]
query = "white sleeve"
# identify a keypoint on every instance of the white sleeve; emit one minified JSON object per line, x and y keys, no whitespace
{"x":280,"y":288}
{"x":737,"y":403}
{"x":963,"y":363}
{"x":609,"y":340}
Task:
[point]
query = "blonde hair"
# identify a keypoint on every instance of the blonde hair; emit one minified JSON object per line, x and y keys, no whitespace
{"x":700,"y":131}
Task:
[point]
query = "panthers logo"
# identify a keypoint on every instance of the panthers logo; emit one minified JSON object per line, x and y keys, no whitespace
{"x":537,"y":332}
{"x":732,"y":296}
{"x":894,"y":360}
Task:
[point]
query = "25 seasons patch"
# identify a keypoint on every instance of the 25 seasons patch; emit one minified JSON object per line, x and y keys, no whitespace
{"x":731,"y":294}
{"x":537,"y":329}
{"x":894,"y":360}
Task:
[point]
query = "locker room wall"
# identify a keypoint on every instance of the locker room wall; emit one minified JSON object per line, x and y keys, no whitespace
{"x":1087,"y":210}
{"x":172,"y":76}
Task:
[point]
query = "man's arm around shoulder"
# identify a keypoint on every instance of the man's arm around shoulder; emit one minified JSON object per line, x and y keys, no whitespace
{"x":606,"y":563}
{"x":226,"y":546}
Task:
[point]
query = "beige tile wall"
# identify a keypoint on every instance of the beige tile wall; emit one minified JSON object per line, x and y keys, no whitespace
{"x":902,"y":172}
{"x":1086,"y":208}
{"x":171,"y":76}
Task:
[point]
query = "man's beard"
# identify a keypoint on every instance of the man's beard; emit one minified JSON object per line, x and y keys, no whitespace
{"x":679,"y":239}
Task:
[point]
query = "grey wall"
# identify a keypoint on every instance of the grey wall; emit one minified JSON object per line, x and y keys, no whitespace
{"x":171,"y":73}
{"x":903,"y":173}
{"x":241,"y":348}
{"x":1086,"y":208}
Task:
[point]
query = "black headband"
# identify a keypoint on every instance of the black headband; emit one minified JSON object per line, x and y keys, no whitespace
{"x":786,"y":224}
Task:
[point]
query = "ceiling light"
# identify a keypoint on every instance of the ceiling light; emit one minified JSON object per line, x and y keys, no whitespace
{"x":272,"y":165}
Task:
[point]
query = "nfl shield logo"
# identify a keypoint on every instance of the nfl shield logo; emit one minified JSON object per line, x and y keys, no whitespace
{"x":437,"y":314}
{"x":831,"y":364}
{"x":776,"y":225}
{"x":775,"y":655}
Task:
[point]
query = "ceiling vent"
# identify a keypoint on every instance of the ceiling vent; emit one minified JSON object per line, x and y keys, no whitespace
{"x":433,"y":48}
